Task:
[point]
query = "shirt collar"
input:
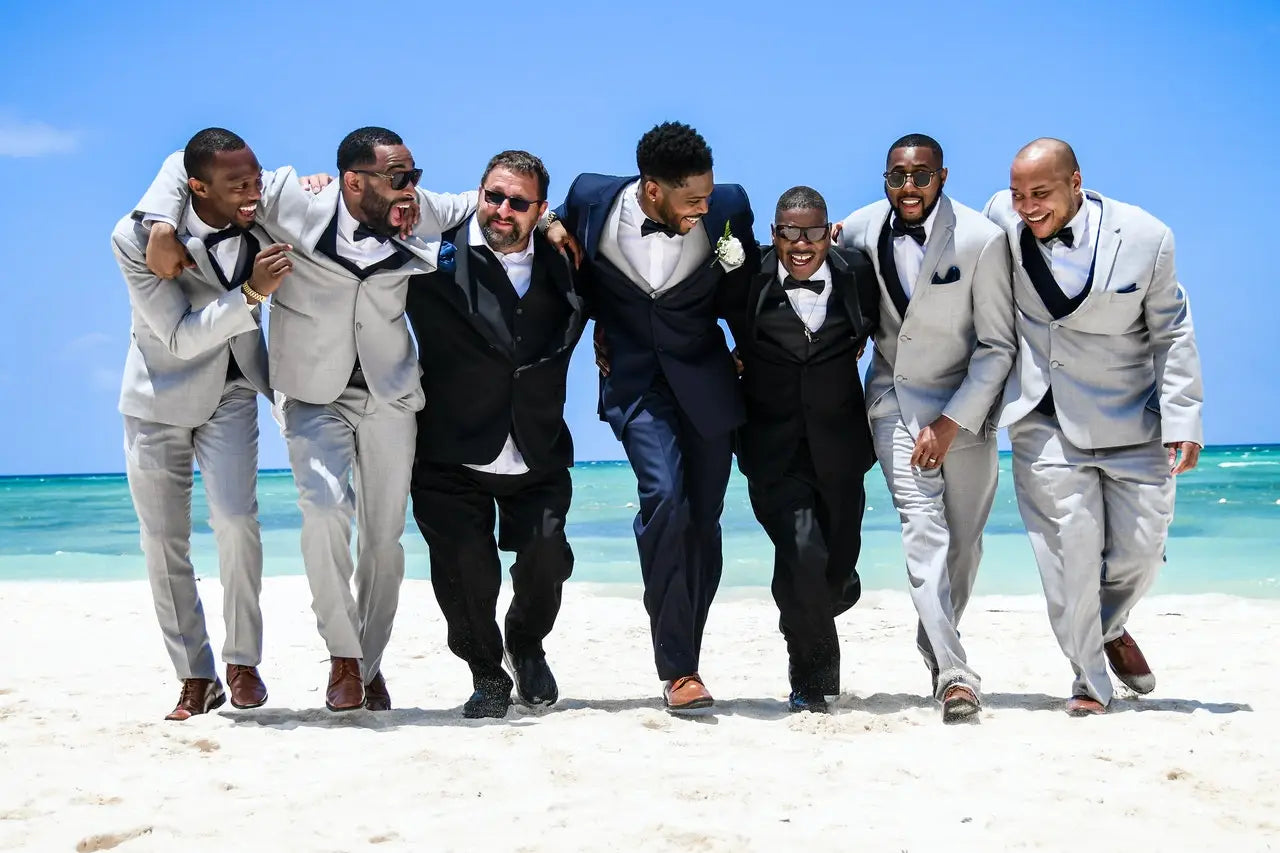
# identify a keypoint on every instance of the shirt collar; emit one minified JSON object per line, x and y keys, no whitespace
{"x":1079,"y":223}
{"x":823,"y":274}
{"x":475,"y":237}
{"x":196,"y":226}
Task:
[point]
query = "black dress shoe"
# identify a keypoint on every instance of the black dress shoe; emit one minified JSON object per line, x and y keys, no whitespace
{"x":489,"y":700}
{"x":535,"y":684}
{"x":808,"y":700}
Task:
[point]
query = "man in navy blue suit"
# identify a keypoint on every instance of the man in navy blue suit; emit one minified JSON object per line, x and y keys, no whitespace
{"x":657,"y":248}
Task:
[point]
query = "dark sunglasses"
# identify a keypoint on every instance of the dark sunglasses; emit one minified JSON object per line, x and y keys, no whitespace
{"x":793,"y":233}
{"x":920,"y":177}
{"x":519,"y":205}
{"x":397,"y":180}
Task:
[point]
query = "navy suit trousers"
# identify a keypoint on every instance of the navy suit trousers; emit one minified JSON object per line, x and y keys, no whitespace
{"x":681,"y":478}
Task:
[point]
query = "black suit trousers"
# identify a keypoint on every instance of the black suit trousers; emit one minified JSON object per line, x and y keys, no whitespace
{"x":815,"y":523}
{"x":454,"y":507}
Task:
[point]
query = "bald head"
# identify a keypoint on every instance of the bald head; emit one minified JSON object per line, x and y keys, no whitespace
{"x":1044,"y":181}
{"x":1049,"y":151}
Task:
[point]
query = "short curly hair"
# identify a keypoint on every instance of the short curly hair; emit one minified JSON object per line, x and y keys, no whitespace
{"x":672,"y":153}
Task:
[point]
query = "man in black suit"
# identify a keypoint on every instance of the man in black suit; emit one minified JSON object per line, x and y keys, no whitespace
{"x":799,"y":326}
{"x":496,"y":325}
{"x":656,"y":248}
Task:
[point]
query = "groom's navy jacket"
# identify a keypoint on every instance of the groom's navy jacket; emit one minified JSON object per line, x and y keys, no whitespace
{"x":673,"y":335}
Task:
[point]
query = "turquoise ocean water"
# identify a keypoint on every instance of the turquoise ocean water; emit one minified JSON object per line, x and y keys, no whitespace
{"x":1225,"y":538}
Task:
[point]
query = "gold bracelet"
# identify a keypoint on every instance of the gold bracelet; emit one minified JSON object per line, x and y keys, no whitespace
{"x":252,"y":294}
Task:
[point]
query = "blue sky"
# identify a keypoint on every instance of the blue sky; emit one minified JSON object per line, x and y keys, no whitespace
{"x":1171,"y":106}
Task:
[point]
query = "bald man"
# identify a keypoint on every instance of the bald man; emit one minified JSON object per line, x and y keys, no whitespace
{"x":1103,"y":406}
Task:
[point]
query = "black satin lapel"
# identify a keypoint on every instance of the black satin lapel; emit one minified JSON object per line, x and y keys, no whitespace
{"x":486,"y":313}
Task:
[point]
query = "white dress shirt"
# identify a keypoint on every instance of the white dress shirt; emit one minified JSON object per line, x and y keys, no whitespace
{"x":810,"y":307}
{"x":519,"y":269}
{"x":653,"y":257}
{"x":364,"y":252}
{"x":1070,"y":265}
{"x":908,"y":255}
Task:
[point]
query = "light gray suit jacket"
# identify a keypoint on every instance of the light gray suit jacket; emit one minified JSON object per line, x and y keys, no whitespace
{"x":1124,"y":367}
{"x":182,"y":333}
{"x":323,"y":315}
{"x":951,"y":353}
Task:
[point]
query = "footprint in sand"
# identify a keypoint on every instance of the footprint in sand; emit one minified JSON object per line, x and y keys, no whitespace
{"x":109,"y":840}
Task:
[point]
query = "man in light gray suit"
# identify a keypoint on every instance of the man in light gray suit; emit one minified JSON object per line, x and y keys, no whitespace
{"x":1103,"y":406}
{"x":342,"y":357}
{"x":943,"y":350}
{"x":195,"y":366}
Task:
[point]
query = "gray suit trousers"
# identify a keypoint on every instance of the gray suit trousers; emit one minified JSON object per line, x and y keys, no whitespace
{"x":1098,"y":521}
{"x":352,"y":458}
{"x":943,"y":512}
{"x":158,"y":460}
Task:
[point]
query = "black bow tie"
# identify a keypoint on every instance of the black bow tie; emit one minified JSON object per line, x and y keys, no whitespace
{"x":902,"y":229}
{"x":225,"y":234}
{"x":650,"y":227}
{"x":1066,"y":235}
{"x":363,"y":231}
{"x":813,"y":284}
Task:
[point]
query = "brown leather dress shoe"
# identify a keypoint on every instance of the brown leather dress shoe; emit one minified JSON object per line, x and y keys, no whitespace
{"x":199,"y":696}
{"x":1084,"y":706}
{"x":346,"y":687}
{"x":376,"y":697}
{"x":247,"y":689}
{"x":687,"y":693}
{"x":1129,"y":664}
{"x":959,"y":704}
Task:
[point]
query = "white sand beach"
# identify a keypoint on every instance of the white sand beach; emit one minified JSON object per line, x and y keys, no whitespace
{"x":89,"y":764}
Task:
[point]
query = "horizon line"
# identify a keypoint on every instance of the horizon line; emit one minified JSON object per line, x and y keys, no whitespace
{"x":577,"y":462}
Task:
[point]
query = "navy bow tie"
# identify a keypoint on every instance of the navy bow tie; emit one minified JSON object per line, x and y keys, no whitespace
{"x":650,"y":227}
{"x":1066,"y":235}
{"x":225,"y":234}
{"x":363,"y":231}
{"x":902,"y":229}
{"x":815,"y":285}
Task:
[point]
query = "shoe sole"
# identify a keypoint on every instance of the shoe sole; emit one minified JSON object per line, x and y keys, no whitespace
{"x":240,"y":707}
{"x":960,"y":712}
{"x":337,"y":710}
{"x":691,"y":708}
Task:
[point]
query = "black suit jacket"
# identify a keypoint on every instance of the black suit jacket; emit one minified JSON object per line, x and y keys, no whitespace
{"x":675,"y":335}
{"x":481,"y":385}
{"x":820,"y":399}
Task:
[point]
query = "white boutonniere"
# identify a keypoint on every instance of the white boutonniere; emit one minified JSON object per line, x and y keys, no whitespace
{"x":729,"y":251}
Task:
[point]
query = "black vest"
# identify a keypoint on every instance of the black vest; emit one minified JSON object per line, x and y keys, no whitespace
{"x":1051,"y":294}
{"x":779,"y":322}
{"x":536,"y":322}
{"x":244,"y":270}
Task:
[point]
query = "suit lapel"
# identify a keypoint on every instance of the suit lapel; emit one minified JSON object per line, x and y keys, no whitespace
{"x":596,"y":218}
{"x":844,"y":285}
{"x":1109,"y":241}
{"x":944,"y":225}
{"x":485,"y":313}
{"x":204,"y":263}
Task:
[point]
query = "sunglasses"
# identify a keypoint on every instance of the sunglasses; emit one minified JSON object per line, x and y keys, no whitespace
{"x":519,"y":205}
{"x":920,"y":177}
{"x":793,"y":233}
{"x":397,"y":180}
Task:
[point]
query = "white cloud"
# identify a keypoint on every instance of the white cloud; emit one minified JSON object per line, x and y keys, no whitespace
{"x":86,"y":344}
{"x":33,"y":138}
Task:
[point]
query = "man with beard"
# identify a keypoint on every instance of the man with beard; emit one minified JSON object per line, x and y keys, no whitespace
{"x":495,"y":334}
{"x":1103,"y":406}
{"x":656,"y":248}
{"x":195,"y":366}
{"x":799,"y":326}
{"x":943,"y":349}
{"x":342,"y":356}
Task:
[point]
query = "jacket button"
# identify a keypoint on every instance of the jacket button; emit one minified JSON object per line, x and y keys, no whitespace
{"x":519,"y":310}
{"x":519,"y":338}
{"x":1055,"y":364}
{"x":899,"y":379}
{"x":359,"y":326}
{"x":1054,"y":325}
{"x":904,"y":338}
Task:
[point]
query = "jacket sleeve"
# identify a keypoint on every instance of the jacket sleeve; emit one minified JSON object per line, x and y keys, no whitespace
{"x":186,"y":332}
{"x":1174,"y":351}
{"x":993,"y":324}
